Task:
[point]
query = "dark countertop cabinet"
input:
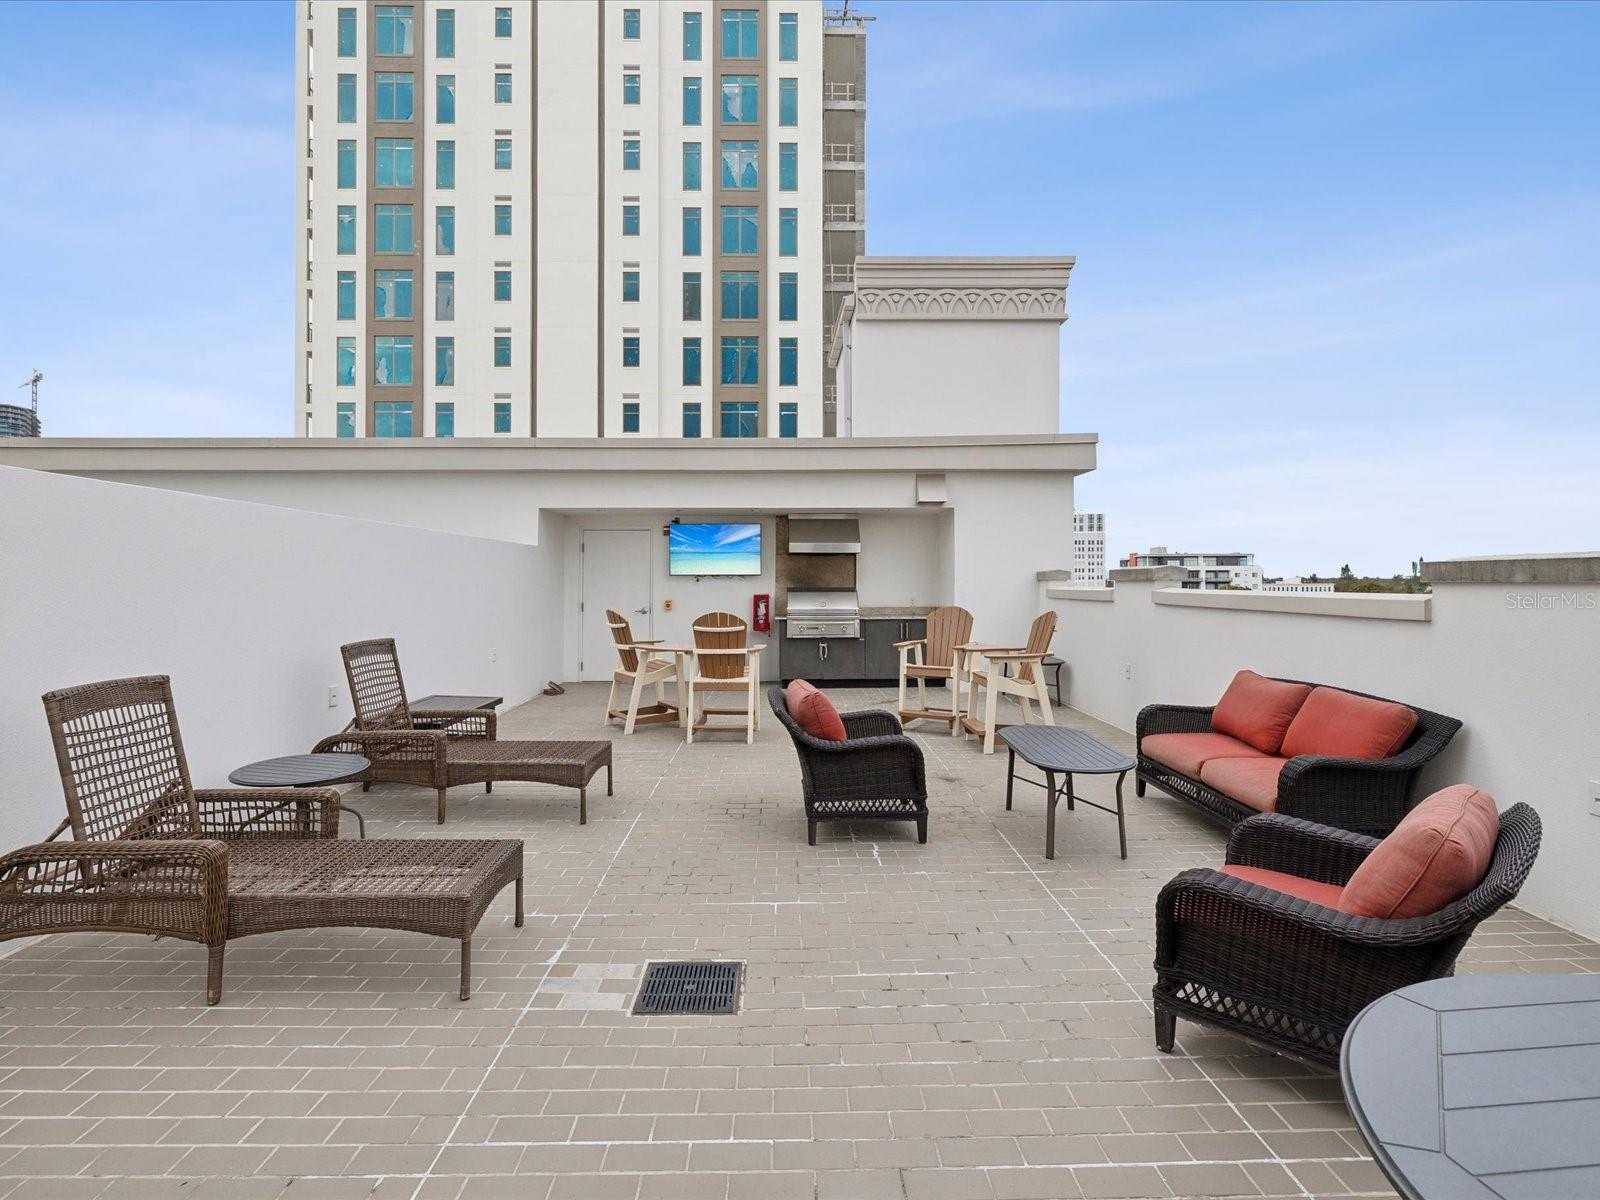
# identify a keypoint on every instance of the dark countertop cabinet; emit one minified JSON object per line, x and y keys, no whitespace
{"x":870,"y":658}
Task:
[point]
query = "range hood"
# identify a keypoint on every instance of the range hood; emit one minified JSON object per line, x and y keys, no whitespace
{"x":824,"y":535}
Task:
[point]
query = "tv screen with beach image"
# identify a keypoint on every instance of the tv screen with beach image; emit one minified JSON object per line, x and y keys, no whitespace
{"x":714,"y":549}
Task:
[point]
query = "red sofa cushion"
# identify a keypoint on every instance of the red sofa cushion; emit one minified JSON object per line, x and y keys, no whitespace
{"x":1307,"y":889}
{"x":1438,"y":853}
{"x":1185,"y":753}
{"x":1348,"y":726}
{"x":1251,"y":781}
{"x":814,"y":712}
{"x":1258,"y":710}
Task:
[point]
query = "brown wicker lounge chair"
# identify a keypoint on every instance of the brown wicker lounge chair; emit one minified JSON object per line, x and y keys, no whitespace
{"x":150,"y":854}
{"x":456,"y":747}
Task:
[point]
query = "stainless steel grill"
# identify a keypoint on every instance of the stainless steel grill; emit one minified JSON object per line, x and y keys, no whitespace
{"x":824,"y":614}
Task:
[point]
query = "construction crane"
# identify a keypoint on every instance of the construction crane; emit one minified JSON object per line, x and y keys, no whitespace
{"x":32,"y":384}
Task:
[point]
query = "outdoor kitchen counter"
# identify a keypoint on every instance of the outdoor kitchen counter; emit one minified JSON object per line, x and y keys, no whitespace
{"x":892,"y":613}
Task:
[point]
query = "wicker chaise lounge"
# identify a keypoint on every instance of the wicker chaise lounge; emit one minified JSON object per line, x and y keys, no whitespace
{"x":455,"y":748}
{"x":151,"y":854}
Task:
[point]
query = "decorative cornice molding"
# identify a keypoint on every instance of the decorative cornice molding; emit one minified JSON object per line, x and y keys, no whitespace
{"x":962,"y":289}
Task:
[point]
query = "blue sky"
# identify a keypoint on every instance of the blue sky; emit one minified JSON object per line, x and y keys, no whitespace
{"x":1338,"y":274}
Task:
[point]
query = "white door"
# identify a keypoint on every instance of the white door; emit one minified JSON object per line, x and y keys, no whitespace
{"x":616,"y":575}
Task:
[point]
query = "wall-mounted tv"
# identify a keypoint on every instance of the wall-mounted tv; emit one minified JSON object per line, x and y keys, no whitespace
{"x":714,"y":549}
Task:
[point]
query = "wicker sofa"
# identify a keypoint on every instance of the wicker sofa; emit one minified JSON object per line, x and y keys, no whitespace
{"x":875,"y":774}
{"x":1363,"y":795}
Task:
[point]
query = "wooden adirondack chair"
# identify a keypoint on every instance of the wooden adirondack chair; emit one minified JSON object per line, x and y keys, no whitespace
{"x":639,"y":666}
{"x":724,"y":661}
{"x":934,"y":657}
{"x":1026,"y":682}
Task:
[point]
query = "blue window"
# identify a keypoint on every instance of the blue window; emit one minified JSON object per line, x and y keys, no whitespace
{"x":788,"y":362}
{"x":740,"y":231}
{"x":630,"y":349}
{"x":345,"y":422}
{"x":691,"y":100}
{"x":391,"y":419}
{"x":502,"y":154}
{"x":444,"y":419}
{"x":445,"y":100}
{"x":346,"y":310}
{"x":502,"y":416}
{"x":741,"y":296}
{"x":691,"y":37}
{"x":347,"y":99}
{"x":502,"y":22}
{"x":347,"y":164}
{"x":788,"y":297}
{"x":741,"y":100}
{"x":741,"y":419}
{"x":739,"y":165}
{"x":788,"y":232}
{"x":788,"y":167}
{"x":691,"y":167}
{"x":393,"y":23}
{"x":502,"y":87}
{"x":741,"y":360}
{"x":630,"y":416}
{"x":391,"y":295}
{"x":788,"y":37}
{"x":788,"y":420}
{"x":691,"y":295}
{"x":396,"y":95}
{"x":630,"y":87}
{"x":630,"y":24}
{"x":444,"y":33}
{"x":502,"y":220}
{"x":741,"y":33}
{"x":392,"y":229}
{"x":630,"y":154}
{"x":391,"y":360}
{"x":444,"y":296}
{"x":444,"y":225}
{"x":395,"y":163}
{"x":502,"y":284}
{"x":444,"y":159}
{"x":630,"y":286}
{"x":502,"y":355}
{"x":630,"y":220}
{"x":691,"y":233}
{"x":691,"y":362}
{"x":788,"y":102}
{"x":347,"y":229}
{"x":347,"y":33}
{"x":444,"y":361}
{"x":345,"y":363}
{"x":691,"y":419}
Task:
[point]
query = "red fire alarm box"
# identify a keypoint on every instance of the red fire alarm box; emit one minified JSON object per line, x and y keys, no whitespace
{"x":761,"y":613}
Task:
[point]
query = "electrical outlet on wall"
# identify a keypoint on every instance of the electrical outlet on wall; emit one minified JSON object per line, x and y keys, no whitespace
{"x":494,"y":654}
{"x":333,"y":696}
{"x":1127,"y":672}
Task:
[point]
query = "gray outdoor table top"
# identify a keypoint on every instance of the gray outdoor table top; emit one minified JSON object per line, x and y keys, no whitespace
{"x":299,"y":770}
{"x":455,"y":703}
{"x":1056,"y":748}
{"x":1481,"y":1086}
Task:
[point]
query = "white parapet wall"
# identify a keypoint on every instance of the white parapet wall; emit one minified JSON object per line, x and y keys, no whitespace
{"x":245,"y":607}
{"x":1509,"y":646}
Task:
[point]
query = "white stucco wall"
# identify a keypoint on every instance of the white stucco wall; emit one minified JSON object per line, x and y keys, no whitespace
{"x":245,"y":607}
{"x":1516,"y":664}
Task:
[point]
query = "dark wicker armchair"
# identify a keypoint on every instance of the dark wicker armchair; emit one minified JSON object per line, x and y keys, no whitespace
{"x":1362,"y":795}
{"x":875,"y":774}
{"x":1292,"y":973}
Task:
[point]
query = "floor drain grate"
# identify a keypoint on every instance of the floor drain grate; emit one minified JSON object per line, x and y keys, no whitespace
{"x":689,"y":987}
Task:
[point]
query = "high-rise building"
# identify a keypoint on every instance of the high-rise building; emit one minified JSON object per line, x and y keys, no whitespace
{"x":591,"y":218}
{"x":1088,"y":547}
{"x":16,"y":421}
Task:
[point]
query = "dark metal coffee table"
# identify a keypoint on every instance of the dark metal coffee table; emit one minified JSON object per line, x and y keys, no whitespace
{"x":1480,"y":1086}
{"x":1068,"y":752}
{"x":446,"y":703}
{"x":304,"y":770}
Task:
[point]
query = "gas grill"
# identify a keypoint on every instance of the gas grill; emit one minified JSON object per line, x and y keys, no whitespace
{"x":816,"y":614}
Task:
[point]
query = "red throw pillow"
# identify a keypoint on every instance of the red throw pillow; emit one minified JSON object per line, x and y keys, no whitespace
{"x":1438,"y":853}
{"x":1258,"y":710}
{"x":814,"y":712}
{"x":1348,"y":726}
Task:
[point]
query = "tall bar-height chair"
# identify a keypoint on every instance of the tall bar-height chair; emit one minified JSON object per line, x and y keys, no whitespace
{"x":1026,"y":682}
{"x":724,"y":661}
{"x":640,"y":665}
{"x":934,"y":657}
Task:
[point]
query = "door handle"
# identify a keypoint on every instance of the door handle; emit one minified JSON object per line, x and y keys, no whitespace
{"x":642,"y":611}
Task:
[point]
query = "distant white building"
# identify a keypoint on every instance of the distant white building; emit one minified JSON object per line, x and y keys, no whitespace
{"x":1204,"y":572}
{"x":1293,"y":585}
{"x":1088,"y":547}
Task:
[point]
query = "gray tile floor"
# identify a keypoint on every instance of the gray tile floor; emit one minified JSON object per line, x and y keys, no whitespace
{"x":961,"y":1019}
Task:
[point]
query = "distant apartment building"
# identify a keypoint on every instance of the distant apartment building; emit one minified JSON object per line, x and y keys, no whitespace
{"x":584,"y":219}
{"x":1088,"y":547}
{"x":17,"y":421}
{"x":1205,"y":572}
{"x":1294,"y":585}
